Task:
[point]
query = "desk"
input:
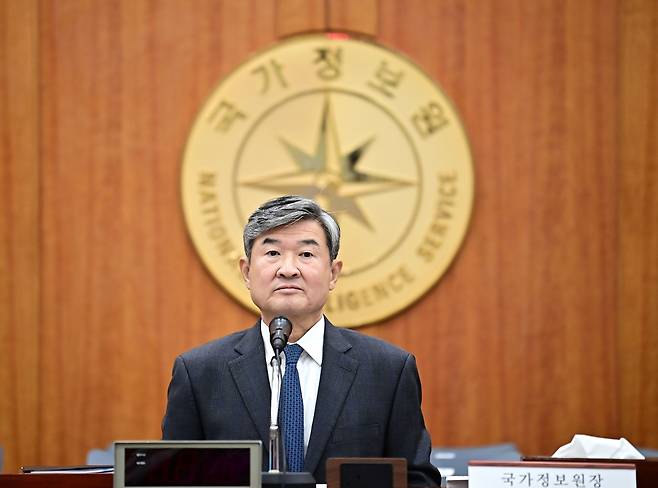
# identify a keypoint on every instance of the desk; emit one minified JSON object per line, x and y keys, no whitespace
{"x":61,"y":481}
{"x":56,"y":480}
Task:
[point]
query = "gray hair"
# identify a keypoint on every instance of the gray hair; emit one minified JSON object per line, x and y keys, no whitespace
{"x":288,"y":210}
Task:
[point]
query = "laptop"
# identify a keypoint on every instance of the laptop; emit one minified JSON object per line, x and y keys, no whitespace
{"x":155,"y":464}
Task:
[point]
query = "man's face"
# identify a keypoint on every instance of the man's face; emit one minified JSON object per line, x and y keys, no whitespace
{"x":290,"y":272}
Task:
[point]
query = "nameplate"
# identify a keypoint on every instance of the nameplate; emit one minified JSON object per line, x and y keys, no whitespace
{"x":531,"y":474}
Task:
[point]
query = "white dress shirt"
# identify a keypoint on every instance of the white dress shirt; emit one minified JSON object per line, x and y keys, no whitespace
{"x":309,"y":367}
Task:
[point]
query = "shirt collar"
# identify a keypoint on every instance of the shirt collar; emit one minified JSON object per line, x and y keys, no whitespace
{"x":312,"y":342}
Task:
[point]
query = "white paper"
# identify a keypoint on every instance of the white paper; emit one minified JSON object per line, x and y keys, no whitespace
{"x":587,"y":446}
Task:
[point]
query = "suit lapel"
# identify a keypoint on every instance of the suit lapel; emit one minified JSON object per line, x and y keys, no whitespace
{"x":338,"y":372}
{"x":250,"y":376}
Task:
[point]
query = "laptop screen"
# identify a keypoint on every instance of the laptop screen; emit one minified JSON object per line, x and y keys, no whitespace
{"x":224,"y":464}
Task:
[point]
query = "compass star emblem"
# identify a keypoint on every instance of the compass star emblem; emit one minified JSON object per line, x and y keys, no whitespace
{"x":330,"y":175}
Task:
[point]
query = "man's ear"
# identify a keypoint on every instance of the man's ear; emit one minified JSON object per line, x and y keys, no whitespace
{"x":244,"y":269}
{"x":336,"y":266}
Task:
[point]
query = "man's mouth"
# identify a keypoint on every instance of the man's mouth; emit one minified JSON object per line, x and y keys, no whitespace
{"x":287,"y":288}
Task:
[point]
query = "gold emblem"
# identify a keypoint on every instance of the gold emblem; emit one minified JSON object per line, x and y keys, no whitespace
{"x":360,"y":129}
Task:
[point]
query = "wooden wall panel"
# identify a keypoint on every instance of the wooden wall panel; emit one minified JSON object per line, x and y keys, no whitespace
{"x":297,"y":16}
{"x":19,"y":232}
{"x":124,"y":291}
{"x":638,"y":219}
{"x":360,"y":16}
{"x":513,"y":319}
{"x":544,"y":326}
{"x":303,"y":16}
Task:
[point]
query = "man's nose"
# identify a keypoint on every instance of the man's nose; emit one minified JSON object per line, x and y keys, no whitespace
{"x":288,"y":268}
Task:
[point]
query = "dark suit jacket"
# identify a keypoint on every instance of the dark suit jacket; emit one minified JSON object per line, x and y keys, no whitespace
{"x":368,"y":401}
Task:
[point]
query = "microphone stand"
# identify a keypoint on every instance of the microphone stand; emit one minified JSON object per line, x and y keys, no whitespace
{"x":275,"y":435}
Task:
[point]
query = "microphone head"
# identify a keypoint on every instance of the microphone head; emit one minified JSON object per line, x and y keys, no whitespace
{"x":280,"y":329}
{"x":282,"y":323}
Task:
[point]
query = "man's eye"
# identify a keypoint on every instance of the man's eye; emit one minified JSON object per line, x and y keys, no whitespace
{"x":272,"y":253}
{"x":307,"y":254}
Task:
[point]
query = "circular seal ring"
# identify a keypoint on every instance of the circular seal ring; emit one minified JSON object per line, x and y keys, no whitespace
{"x":360,"y":129}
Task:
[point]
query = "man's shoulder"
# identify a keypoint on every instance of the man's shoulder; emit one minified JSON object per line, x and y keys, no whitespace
{"x":372,"y":346}
{"x":223,"y":347}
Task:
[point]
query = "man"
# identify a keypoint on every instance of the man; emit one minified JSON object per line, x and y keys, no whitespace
{"x":360,"y":396}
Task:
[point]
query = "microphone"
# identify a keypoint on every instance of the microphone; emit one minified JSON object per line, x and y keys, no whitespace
{"x":280,"y":329}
